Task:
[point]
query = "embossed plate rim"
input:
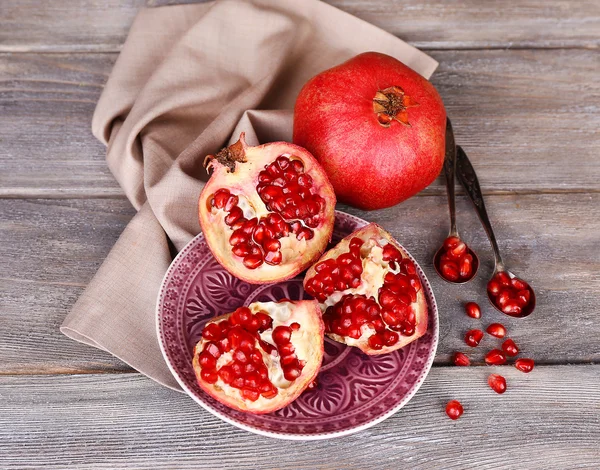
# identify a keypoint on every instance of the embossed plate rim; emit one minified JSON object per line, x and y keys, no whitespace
{"x":432,"y":309}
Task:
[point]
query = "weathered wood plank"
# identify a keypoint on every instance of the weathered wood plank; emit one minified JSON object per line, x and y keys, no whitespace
{"x":46,"y":107}
{"x":94,"y":25}
{"x":51,"y":249}
{"x":547,"y":419}
{"x":517,"y":113}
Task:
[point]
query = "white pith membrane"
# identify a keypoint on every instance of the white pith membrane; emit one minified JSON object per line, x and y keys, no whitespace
{"x":372,"y":279}
{"x":242,"y":182}
{"x":308,"y":344}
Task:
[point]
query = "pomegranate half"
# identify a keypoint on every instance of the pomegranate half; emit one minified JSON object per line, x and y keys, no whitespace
{"x":267,"y":212}
{"x":262,"y":357}
{"x":369,"y":292}
{"x":376,"y":126}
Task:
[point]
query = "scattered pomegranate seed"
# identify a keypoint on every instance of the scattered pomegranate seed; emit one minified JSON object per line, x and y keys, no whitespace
{"x":473,"y":310}
{"x":510,"y":348}
{"x":524,"y":365}
{"x":495,"y":358}
{"x":473,"y":337}
{"x":461,"y":359}
{"x":497,"y":383}
{"x":497,"y":330}
{"x":454,"y":409}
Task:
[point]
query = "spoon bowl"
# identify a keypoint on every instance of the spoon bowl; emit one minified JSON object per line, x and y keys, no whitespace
{"x":526,"y":310}
{"x":437,"y":261}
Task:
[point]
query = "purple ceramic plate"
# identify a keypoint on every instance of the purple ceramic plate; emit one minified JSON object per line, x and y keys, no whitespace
{"x":354,"y":391}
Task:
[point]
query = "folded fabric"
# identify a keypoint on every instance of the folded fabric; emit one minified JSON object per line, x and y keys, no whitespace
{"x":189,"y":78}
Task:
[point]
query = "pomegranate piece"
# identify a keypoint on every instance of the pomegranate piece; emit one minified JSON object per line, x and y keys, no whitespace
{"x":524,"y":365}
{"x":495,"y":358}
{"x":497,"y":383}
{"x":473,"y":337}
{"x":473,"y":310}
{"x":374,"y":117}
{"x":456,"y":263}
{"x":267,"y":212}
{"x":454,"y":409}
{"x":511,"y":296}
{"x":369,"y":291}
{"x":497,"y":330}
{"x":461,"y":359}
{"x":260,"y":358}
{"x":510,"y":348}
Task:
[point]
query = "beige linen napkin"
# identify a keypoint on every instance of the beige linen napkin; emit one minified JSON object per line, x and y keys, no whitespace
{"x":181,"y":87}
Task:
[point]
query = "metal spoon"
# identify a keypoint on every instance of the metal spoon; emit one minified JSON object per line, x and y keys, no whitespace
{"x":449,"y":170}
{"x":468,"y":178}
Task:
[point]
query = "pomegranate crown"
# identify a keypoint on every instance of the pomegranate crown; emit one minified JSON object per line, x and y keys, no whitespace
{"x":228,"y":156}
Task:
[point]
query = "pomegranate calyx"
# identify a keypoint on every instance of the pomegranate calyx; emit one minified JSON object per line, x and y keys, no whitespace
{"x":228,"y":156}
{"x":391,"y":104}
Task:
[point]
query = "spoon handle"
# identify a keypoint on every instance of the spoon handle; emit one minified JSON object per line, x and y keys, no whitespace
{"x":467,"y":177}
{"x":450,"y":170}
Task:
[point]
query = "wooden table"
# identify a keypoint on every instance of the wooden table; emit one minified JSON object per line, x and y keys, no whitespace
{"x":520,"y":79}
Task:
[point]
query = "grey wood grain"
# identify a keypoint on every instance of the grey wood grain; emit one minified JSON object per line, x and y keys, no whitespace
{"x":517,"y":114}
{"x":548,"y":419}
{"x":96,"y":25}
{"x":51,"y":249}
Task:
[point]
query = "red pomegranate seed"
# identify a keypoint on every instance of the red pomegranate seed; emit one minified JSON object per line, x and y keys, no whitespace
{"x":291,"y":373}
{"x":376,"y":341}
{"x":282,"y":334}
{"x":220,"y":198}
{"x":231,"y":202}
{"x":212,"y":349}
{"x":497,"y":330}
{"x":212,"y":332}
{"x":461,"y":359}
{"x":207,"y":361}
{"x":473,"y":337}
{"x":524,"y":365}
{"x":241,"y":250}
{"x":390,"y":337}
{"x":454,"y":409}
{"x":466,"y":266}
{"x":510,"y":348}
{"x":494,"y":287}
{"x":473,"y":310}
{"x":495,"y":358}
{"x":512,"y":308}
{"x":503,"y":278}
{"x":451,"y":242}
{"x":519,"y":284}
{"x":450,"y":271}
{"x":459,"y":250}
{"x":523,"y":297}
{"x":250,"y":394}
{"x":209,"y":376}
{"x":234,"y":214}
{"x":497,"y":383}
{"x":253,"y":261}
{"x":273,"y":257}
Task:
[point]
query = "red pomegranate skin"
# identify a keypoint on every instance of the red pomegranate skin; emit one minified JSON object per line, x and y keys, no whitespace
{"x":372,"y":165}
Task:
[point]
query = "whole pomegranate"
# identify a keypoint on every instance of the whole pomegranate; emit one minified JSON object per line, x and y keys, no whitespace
{"x":369,"y":291}
{"x":262,"y":357}
{"x":376,"y":126}
{"x":267,"y":212}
